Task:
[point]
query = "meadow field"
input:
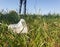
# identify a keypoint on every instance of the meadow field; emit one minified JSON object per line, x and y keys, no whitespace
{"x":44,"y":30}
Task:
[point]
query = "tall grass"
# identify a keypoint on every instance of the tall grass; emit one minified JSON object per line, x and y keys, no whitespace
{"x":44,"y":31}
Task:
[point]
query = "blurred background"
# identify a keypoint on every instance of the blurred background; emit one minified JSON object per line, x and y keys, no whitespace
{"x":33,"y":6}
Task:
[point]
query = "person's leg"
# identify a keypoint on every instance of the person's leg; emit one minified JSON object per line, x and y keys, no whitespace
{"x":21,"y":1}
{"x":25,"y":6}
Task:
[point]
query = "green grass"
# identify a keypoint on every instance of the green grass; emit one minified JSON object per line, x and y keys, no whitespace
{"x":44,"y":31}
